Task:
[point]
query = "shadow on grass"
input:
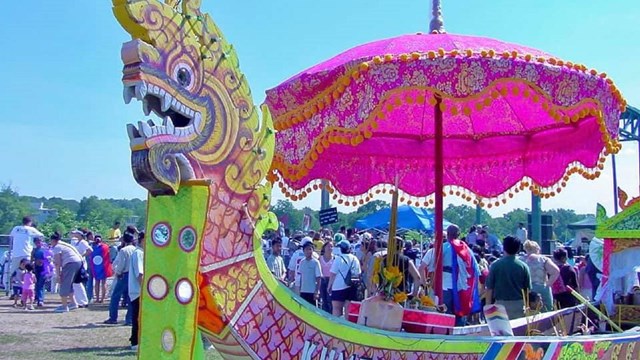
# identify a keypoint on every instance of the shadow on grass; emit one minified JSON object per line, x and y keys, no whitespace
{"x":85,"y":326}
{"x":102,"y":351}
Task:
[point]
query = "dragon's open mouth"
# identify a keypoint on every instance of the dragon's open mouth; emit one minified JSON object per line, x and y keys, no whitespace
{"x":176,"y":119}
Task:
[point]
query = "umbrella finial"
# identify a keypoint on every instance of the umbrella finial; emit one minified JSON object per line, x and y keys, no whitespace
{"x":436,"y":26}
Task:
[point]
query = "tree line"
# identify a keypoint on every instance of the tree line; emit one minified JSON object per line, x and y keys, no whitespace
{"x":90,"y":212}
{"x":99,"y":214}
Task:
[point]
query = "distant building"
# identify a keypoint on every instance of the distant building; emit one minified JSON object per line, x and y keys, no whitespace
{"x":132,"y":220}
{"x":41,"y":214}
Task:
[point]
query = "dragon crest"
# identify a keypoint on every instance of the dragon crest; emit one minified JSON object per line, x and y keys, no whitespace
{"x":182,"y":69}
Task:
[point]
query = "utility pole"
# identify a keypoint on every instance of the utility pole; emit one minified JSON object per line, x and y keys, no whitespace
{"x":324,"y":196}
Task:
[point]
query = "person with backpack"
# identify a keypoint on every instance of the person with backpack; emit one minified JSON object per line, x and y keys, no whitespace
{"x":341,"y":286}
{"x":568,"y":277}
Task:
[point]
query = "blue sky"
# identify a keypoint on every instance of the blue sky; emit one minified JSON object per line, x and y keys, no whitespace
{"x":63,"y":118}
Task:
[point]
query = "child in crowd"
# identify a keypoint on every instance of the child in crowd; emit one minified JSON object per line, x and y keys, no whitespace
{"x":310,"y":275}
{"x":28,"y":287}
{"x":535,"y":302}
{"x":16,"y":281}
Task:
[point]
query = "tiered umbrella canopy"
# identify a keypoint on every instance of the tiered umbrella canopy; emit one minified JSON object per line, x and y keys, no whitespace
{"x":513,"y":117}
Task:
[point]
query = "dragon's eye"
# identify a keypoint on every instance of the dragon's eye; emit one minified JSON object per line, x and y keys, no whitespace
{"x":182,"y":73}
{"x":184,"y":77}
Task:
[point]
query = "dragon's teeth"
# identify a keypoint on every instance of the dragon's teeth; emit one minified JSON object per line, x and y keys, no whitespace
{"x":197,"y":121}
{"x":145,"y":129}
{"x":168,"y":123}
{"x":127,"y":94}
{"x":132,"y":132}
{"x":166,"y":102}
{"x":151,"y":123}
{"x":141,"y":90}
{"x":145,"y":107}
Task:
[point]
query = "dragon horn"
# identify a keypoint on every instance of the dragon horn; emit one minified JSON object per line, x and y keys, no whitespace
{"x":191,"y":7}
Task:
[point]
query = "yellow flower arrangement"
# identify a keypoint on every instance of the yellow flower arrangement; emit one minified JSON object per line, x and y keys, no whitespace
{"x":427,"y":301}
{"x":387,"y":280}
{"x":392,"y":275}
{"x":400,"y":297}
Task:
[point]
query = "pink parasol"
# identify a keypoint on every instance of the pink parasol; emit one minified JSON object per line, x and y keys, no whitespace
{"x":506,"y":107}
{"x":470,"y":116}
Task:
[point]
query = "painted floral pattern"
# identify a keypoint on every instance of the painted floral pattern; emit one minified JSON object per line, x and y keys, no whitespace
{"x":471,"y":79}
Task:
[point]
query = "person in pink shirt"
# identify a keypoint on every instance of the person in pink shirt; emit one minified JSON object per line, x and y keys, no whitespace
{"x":28,"y":287}
{"x":326,"y":260}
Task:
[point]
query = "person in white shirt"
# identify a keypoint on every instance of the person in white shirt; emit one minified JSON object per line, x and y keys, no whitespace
{"x":136,"y":273}
{"x":294,"y":264}
{"x":521,"y":233}
{"x":341,"y":292}
{"x":285,"y":243}
{"x":79,"y":289}
{"x":310,"y":275}
{"x":121,"y":269}
{"x":472,"y":236}
{"x":67,"y":262}
{"x":275,"y":261}
{"x":22,"y":242}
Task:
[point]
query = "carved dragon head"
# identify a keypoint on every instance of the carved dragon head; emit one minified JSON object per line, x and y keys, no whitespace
{"x":182,"y":69}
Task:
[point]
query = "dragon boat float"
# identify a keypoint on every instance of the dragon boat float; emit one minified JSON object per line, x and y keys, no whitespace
{"x":397,"y":110}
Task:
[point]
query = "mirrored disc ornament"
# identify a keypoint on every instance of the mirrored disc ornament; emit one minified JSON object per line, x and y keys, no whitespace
{"x":161,"y":234}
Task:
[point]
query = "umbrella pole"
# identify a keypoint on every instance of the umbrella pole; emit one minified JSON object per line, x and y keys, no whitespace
{"x":392,"y":247}
{"x":439,"y":174}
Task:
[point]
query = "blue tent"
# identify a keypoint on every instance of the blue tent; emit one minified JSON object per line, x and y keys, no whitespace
{"x":409,"y":217}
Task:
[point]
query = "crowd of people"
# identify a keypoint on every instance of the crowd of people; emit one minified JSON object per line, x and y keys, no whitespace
{"x":78,"y":270}
{"x":326,"y":269}
{"x":329,"y":270}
